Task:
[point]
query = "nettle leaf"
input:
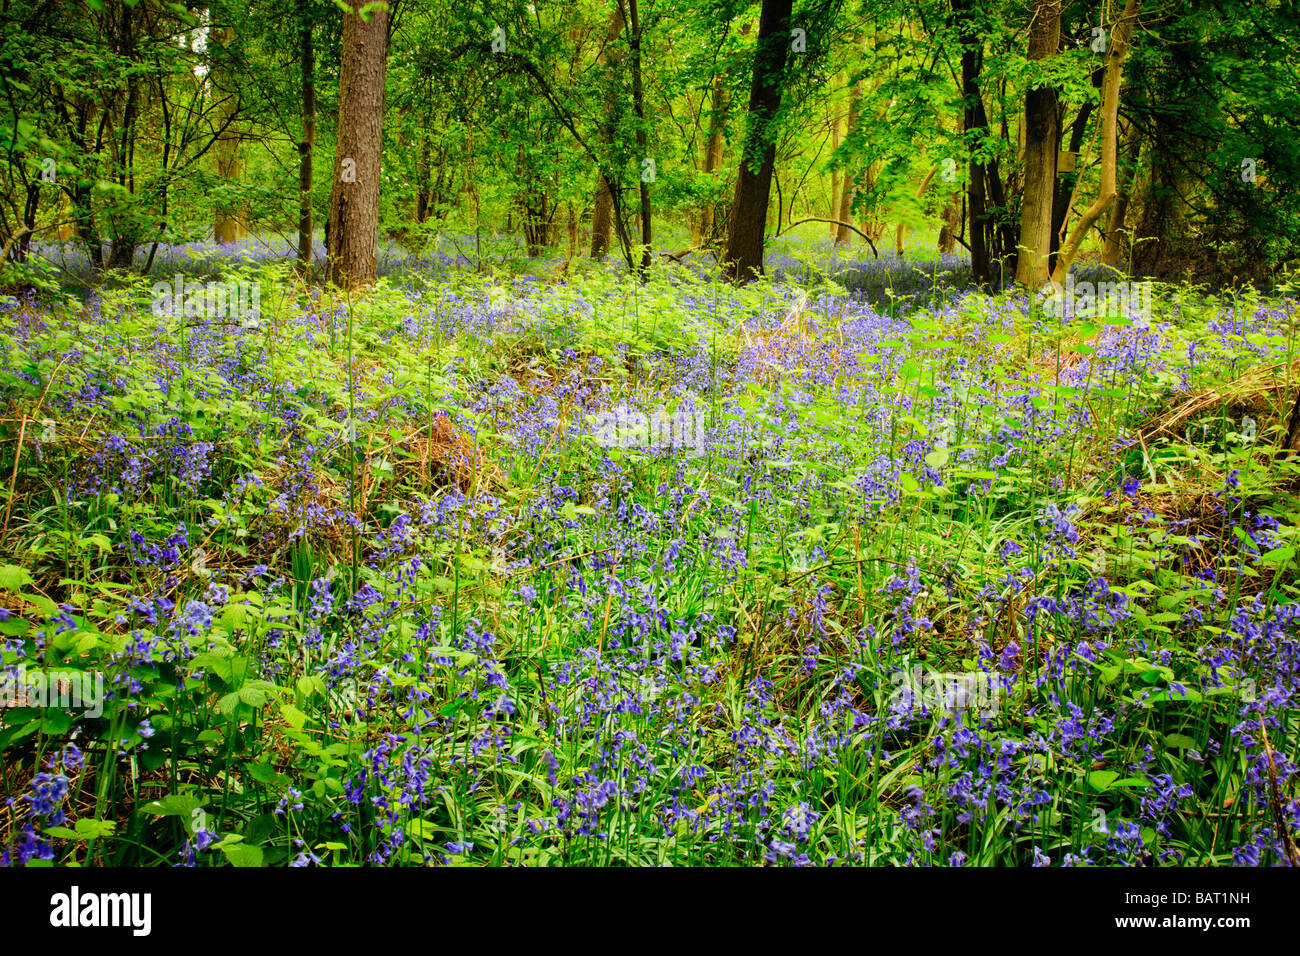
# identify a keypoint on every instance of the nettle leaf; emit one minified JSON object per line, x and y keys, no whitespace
{"x":14,"y":578}
{"x":294,"y":717}
{"x":252,"y":696}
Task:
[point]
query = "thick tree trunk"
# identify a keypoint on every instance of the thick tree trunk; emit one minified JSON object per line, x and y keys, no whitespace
{"x":87,"y":229}
{"x":602,"y":221}
{"x":228,"y":224}
{"x":1042,"y":142}
{"x":307,"y":61}
{"x":611,"y":57}
{"x":743,"y":258}
{"x":354,"y":195}
{"x":1293,"y":429}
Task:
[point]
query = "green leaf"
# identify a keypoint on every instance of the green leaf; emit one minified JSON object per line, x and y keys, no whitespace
{"x":93,"y":829}
{"x":12,"y":577}
{"x":294,"y":717}
{"x":174,"y":805}
{"x":243,"y":854}
{"x":1102,"y":780}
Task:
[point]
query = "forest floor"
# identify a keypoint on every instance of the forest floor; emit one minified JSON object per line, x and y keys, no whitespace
{"x":489,"y":569}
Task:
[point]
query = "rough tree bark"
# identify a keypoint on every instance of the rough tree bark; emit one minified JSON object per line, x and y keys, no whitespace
{"x":354,"y":194}
{"x":1042,"y":142}
{"x":743,"y":258}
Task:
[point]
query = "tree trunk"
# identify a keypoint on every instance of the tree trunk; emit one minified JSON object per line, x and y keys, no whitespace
{"x":951,"y":223}
{"x":602,"y":214}
{"x":354,"y":194}
{"x":308,"y":65}
{"x":836,"y":173}
{"x":1116,"y":52}
{"x":228,"y":225}
{"x":972,"y":63}
{"x":1067,"y":179}
{"x":1114,"y":248}
{"x":1042,"y":142}
{"x":743,"y":259}
{"x":638,"y":107}
{"x":1293,"y":429}
{"x":842,"y":235}
{"x":712,"y":158}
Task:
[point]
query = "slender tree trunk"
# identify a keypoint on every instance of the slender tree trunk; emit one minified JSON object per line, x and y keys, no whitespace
{"x":1042,"y":142}
{"x":972,"y":63}
{"x":712,"y":158}
{"x":743,"y":259}
{"x":1116,"y":52}
{"x":1116,"y":233}
{"x":307,"y":62}
{"x":1067,"y":179}
{"x":424,"y":188}
{"x":638,"y":107}
{"x":951,"y":223}
{"x":843,"y":236}
{"x":354,"y":194}
{"x":836,"y":173}
{"x":602,"y":215}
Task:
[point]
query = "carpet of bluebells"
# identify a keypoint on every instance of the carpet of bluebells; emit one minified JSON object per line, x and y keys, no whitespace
{"x":948,"y":581}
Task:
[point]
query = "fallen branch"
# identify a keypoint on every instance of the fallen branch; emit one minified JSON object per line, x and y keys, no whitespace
{"x":837,"y":222}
